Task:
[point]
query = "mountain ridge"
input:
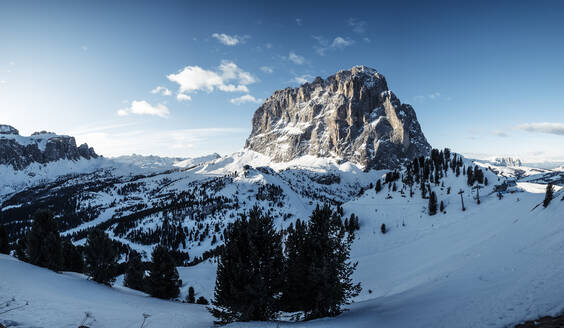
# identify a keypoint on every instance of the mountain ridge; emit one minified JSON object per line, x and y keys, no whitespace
{"x":41,"y":147}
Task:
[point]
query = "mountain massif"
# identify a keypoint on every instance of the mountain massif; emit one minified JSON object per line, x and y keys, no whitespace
{"x":351,"y":115}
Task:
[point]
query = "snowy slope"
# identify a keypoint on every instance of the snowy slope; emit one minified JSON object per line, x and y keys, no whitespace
{"x":61,"y":300}
{"x":495,"y":264}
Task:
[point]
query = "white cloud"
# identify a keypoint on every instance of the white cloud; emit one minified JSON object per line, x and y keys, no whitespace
{"x":228,"y":78}
{"x":295,"y":58}
{"x":337,"y":43}
{"x":245,"y":99}
{"x":267,"y":69}
{"x":141,"y":107}
{"x":3,"y":81}
{"x":544,"y":127}
{"x":230,"y":40}
{"x":431,"y":96}
{"x":268,"y":46}
{"x":183,"y":97}
{"x":358,"y":26}
{"x":302,"y":78}
{"x":299,"y":21}
{"x":162,"y":90}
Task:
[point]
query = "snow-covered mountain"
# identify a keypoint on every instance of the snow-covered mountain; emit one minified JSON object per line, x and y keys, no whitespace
{"x":351,"y":115}
{"x":163,"y":163}
{"x":495,"y":263}
{"x":41,"y":147}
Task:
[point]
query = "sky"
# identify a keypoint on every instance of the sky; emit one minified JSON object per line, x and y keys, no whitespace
{"x":184,"y":78}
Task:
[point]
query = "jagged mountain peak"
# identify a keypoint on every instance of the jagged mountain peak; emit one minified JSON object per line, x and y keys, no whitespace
{"x":351,"y":115}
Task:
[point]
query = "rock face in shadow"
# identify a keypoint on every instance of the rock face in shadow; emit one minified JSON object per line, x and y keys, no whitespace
{"x":351,"y":115}
{"x":41,"y":147}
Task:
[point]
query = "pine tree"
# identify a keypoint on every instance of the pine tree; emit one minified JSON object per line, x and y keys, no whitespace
{"x":163,"y":281}
{"x":323,"y":267}
{"x":249,"y":272}
{"x":297,"y":264}
{"x":433,"y":204}
{"x":135,"y":273}
{"x":378,"y":186}
{"x":549,"y":195}
{"x":43,"y":242}
{"x":442,"y":206}
{"x":4,"y":243}
{"x":383,"y":228}
{"x":191,"y":298}
{"x":101,"y":257}
{"x":72,"y":257}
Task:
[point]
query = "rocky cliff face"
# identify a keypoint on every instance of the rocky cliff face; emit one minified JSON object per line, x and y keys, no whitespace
{"x":41,"y":147}
{"x":351,"y":115}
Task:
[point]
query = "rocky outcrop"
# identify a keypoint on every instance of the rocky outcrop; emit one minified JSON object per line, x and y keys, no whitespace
{"x":351,"y":115}
{"x":507,"y":161}
{"x":41,"y":147}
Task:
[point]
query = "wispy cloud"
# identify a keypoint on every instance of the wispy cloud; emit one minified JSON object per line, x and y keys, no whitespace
{"x":267,"y":69}
{"x":325,"y":45}
{"x":230,"y":40}
{"x":299,"y":21}
{"x":431,"y":96}
{"x":228,"y":78}
{"x":544,"y":127}
{"x":301,"y":79}
{"x":358,"y":26}
{"x":98,"y":127}
{"x":245,"y":99}
{"x":161,"y":90}
{"x":181,"y":142}
{"x":142,"y":107}
{"x":84,"y":48}
{"x":295,"y":58}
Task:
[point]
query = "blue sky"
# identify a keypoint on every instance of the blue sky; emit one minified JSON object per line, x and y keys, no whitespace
{"x":485,"y":78}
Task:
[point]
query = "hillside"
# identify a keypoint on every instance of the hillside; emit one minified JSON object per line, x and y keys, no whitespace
{"x":496,"y":264}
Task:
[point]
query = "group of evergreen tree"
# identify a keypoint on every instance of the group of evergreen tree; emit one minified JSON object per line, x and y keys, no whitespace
{"x":99,"y":257}
{"x":256,"y":278}
{"x":475,"y":175}
{"x":163,"y":279}
{"x":43,"y":246}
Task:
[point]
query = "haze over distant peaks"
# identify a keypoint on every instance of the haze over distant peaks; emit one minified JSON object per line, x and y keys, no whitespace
{"x":351,"y":115}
